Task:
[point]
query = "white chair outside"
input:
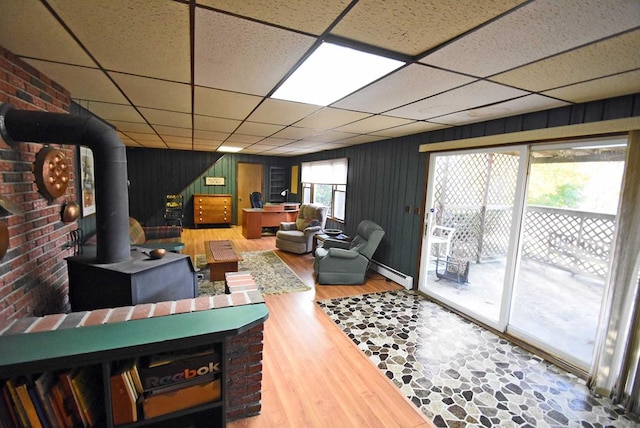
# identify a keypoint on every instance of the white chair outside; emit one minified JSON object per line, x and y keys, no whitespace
{"x":441,"y":235}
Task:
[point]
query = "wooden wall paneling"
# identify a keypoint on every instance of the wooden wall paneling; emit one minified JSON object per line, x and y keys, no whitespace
{"x":594,"y":111}
{"x":617,"y":108}
{"x":636,"y":106}
{"x":392,"y":216}
{"x":535,"y":120}
{"x":154,"y":173}
{"x":478,"y":129}
{"x":560,"y":117}
{"x":494,"y":127}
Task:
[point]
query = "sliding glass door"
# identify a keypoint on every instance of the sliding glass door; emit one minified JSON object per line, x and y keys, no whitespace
{"x":568,"y":225}
{"x":471,"y":232}
{"x":519,"y":239}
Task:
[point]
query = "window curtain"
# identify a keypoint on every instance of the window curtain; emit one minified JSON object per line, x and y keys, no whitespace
{"x":331,"y":171}
{"x":614,"y":371}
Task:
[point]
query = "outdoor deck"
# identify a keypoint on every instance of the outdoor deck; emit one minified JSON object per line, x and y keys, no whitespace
{"x":552,"y":304}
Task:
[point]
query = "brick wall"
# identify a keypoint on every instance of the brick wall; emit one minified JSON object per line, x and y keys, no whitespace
{"x":33,"y":273}
{"x":244,"y":374}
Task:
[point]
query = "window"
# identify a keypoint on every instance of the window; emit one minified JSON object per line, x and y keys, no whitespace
{"x":325,"y":182}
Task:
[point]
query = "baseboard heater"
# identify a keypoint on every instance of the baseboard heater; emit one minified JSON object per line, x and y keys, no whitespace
{"x":405,"y":280}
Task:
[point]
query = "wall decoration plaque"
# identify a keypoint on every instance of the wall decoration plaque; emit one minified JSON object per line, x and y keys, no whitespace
{"x":52,"y":172}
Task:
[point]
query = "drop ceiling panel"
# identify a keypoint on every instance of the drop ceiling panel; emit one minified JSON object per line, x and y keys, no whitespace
{"x":243,"y":56}
{"x":144,"y":138}
{"x":133,"y":36}
{"x":537,"y":30}
{"x":526,"y":104}
{"x":230,"y":105}
{"x":172,"y":140}
{"x":274,"y":142}
{"x":412,"y":128}
{"x":330,"y":136}
{"x":416,"y":26}
{"x":600,"y":59}
{"x":205,"y":147}
{"x":274,"y":151}
{"x":620,"y":84}
{"x":132,"y":127}
{"x":209,"y":144}
{"x":470,"y":96}
{"x":155,"y":145}
{"x":83,"y":83}
{"x":281,"y":112}
{"x":113,"y":112}
{"x":402,"y":87}
{"x":303,"y":15}
{"x":331,"y":146}
{"x":295,"y":133}
{"x":165,"y":131}
{"x":168,"y":118}
{"x":210,"y":135}
{"x":216,"y":124}
{"x":304,"y":144}
{"x":359,"y":139}
{"x":240,"y":138}
{"x":258,"y":148}
{"x":155,"y":93}
{"x":128,"y":141}
{"x":372,"y":124}
{"x":180,"y":146}
{"x":261,"y":129}
{"x":329,"y":118}
{"x":24,"y":36}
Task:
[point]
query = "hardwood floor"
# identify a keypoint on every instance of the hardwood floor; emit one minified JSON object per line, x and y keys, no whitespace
{"x":313,"y":375}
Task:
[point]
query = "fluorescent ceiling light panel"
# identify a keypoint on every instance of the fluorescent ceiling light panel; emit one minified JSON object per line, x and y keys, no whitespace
{"x":331,"y":72}
{"x":228,"y":149}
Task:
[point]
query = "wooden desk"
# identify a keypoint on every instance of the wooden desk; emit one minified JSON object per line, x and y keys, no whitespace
{"x":254,"y":219}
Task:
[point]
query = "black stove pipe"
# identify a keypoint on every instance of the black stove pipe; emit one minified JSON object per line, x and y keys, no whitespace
{"x":110,"y":161}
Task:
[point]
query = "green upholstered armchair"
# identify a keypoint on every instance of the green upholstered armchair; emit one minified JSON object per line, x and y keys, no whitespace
{"x":297,"y":237}
{"x":340,"y":262}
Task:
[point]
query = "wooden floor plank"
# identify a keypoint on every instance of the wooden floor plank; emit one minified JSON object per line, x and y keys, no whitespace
{"x":313,"y":375}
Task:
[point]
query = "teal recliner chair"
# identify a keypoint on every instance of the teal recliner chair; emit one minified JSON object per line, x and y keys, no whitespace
{"x":339,"y":262}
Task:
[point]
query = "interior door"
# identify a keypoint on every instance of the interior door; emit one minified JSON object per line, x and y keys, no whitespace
{"x":249,"y":179}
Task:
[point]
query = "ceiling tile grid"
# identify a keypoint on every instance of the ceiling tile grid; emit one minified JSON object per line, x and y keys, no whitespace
{"x":537,"y":30}
{"x":241,"y":55}
{"x":130,"y":62}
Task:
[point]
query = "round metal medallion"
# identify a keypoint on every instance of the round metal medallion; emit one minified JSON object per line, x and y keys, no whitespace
{"x":52,"y":173}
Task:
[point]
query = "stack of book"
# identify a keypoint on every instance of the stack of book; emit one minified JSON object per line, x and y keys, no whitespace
{"x":236,"y":282}
{"x":70,"y":398}
{"x":126,"y":390}
{"x":165,"y":383}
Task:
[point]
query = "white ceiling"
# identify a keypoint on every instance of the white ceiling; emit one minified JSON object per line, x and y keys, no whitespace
{"x":193,"y":75}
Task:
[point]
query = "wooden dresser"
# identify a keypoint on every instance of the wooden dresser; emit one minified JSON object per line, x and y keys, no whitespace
{"x":212,"y":209}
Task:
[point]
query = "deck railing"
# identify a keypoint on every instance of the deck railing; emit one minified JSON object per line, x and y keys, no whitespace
{"x":576,"y":241}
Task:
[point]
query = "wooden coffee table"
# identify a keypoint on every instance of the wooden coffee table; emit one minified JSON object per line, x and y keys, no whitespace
{"x":221,"y":257}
